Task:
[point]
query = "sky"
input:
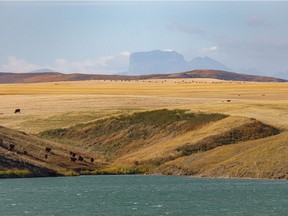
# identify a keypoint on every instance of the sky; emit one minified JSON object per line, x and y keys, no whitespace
{"x":98,"y":36}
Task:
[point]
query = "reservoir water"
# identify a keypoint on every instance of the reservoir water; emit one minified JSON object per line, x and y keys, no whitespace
{"x":142,"y":195}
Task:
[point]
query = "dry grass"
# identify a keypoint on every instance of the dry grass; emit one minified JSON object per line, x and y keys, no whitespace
{"x":57,"y":161}
{"x":265,"y":101}
{"x":118,"y":136}
{"x":263,"y":158}
{"x":52,"y":105}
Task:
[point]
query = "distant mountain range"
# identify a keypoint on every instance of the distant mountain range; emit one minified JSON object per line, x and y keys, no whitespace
{"x":163,"y":62}
{"x":57,"y":77}
{"x":167,"y":62}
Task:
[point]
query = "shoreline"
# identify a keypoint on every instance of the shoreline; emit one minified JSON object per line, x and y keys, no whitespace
{"x":111,"y":174}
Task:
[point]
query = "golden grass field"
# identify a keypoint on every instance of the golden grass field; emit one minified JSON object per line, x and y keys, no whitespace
{"x":63,"y":104}
{"x":86,"y":100}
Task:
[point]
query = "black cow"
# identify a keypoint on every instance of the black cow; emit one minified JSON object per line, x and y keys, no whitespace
{"x":11,"y":147}
{"x":92,"y":160}
{"x":73,"y":159}
{"x":48,"y":149}
{"x":17,"y":111}
{"x":80,"y":158}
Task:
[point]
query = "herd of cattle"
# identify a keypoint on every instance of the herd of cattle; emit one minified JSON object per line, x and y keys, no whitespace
{"x":73,"y":156}
{"x":80,"y":158}
{"x":48,"y":151}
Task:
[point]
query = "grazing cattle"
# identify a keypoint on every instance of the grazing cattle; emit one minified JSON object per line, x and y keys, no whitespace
{"x":92,"y":160}
{"x":80,"y":158}
{"x":46,"y":156}
{"x":25,"y":153}
{"x":136,"y":163}
{"x":47,"y":149}
{"x":17,"y":111}
{"x":1,"y":142}
{"x":73,"y":159}
{"x":11,"y":147}
{"x":73,"y":154}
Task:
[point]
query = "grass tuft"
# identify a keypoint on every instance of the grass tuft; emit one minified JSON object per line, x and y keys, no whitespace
{"x":13,"y":173}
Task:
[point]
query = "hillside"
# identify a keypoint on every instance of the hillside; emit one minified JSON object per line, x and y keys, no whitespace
{"x":52,"y":77}
{"x":176,"y":142}
{"x":25,"y":155}
{"x":57,"y":77}
{"x":117,"y":136}
{"x":215,"y":74}
{"x":262,"y":158}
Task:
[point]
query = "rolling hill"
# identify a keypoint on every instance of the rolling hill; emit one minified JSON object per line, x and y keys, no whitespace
{"x":154,"y":142}
{"x":179,"y":142}
{"x":57,"y":77}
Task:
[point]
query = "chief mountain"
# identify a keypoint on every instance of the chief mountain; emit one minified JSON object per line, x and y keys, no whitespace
{"x":163,"y":62}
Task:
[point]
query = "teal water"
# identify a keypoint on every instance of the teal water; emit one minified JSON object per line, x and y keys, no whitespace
{"x":142,"y":195}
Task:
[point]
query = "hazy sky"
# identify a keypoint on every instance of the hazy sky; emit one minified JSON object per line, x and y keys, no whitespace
{"x":97,"y":37}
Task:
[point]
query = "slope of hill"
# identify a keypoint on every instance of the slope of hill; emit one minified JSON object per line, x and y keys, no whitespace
{"x":52,"y":77}
{"x":57,"y":77}
{"x":215,"y":74}
{"x":264,"y":158}
{"x":25,"y":155}
{"x":117,"y":136}
{"x":180,"y":142}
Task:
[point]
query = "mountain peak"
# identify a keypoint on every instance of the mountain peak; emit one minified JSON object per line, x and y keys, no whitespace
{"x":164,"y":62}
{"x":157,"y":61}
{"x":207,"y":63}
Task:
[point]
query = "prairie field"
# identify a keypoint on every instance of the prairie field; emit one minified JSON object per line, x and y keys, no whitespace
{"x":51,"y":108}
{"x":68,"y":103}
